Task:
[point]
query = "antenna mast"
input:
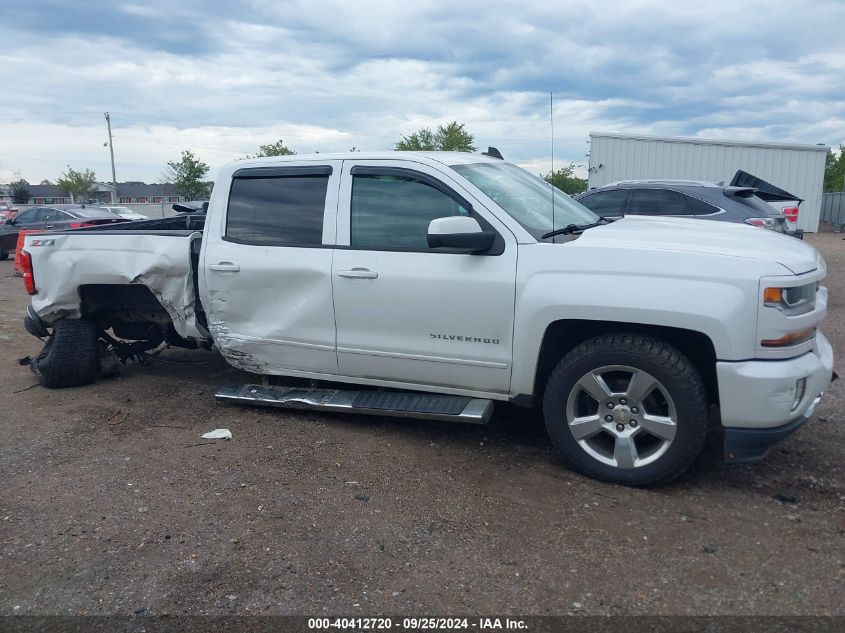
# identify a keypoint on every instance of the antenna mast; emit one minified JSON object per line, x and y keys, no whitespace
{"x":552,"y":124}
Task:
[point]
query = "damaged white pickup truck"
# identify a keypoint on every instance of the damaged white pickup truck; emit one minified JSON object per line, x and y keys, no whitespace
{"x":432,"y":284}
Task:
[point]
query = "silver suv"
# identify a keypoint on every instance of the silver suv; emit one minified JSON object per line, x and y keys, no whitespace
{"x":685,"y":198}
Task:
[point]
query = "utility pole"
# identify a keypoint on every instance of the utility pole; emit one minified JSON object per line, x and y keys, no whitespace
{"x":111,"y":151}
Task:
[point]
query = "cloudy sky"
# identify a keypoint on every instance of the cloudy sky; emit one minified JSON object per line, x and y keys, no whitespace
{"x":221,"y":77}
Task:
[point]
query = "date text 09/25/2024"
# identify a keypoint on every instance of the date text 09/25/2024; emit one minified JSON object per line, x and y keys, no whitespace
{"x":418,"y":624}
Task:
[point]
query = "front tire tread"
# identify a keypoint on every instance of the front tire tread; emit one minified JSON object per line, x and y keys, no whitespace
{"x":692,"y":398}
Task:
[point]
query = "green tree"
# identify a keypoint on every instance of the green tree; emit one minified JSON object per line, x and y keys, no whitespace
{"x":274,"y":149}
{"x":46,"y":182}
{"x":448,"y":138}
{"x":834,"y":170}
{"x":187,"y":174}
{"x":420,"y":141}
{"x":79,"y":184}
{"x":566,"y":180}
{"x":20,"y":191}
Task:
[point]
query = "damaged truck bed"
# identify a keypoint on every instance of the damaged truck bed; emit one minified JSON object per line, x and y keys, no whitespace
{"x":137,"y":279}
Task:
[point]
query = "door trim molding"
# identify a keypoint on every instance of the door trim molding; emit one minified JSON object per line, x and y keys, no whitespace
{"x":276,"y":341}
{"x":433,"y":359}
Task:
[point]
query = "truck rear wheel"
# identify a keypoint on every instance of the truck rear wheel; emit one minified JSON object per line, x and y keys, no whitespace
{"x":71,"y":356}
{"x":626,"y":408}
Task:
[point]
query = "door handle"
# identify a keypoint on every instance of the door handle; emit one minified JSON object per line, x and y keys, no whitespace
{"x":358,"y":273}
{"x":224,"y":267}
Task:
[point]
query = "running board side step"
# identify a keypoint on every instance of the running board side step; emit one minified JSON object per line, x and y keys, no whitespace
{"x":405,"y":404}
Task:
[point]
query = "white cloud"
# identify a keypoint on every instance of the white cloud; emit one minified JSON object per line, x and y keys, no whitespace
{"x":222,"y":78}
{"x":140,"y":10}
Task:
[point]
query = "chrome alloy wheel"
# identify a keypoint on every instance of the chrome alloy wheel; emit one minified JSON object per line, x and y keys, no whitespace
{"x":621,"y":416}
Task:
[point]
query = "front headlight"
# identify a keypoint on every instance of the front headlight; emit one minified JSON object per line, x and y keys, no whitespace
{"x":792,"y":301}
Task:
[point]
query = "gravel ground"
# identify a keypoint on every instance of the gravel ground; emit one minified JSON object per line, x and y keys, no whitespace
{"x":111,"y":503}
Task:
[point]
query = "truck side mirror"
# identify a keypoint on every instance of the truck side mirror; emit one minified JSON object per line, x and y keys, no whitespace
{"x":459,"y":232}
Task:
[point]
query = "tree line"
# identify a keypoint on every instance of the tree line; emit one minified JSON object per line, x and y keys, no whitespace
{"x":189,"y":173}
{"x":834,"y":171}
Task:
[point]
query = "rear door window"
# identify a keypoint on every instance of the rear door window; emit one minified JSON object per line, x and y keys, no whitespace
{"x":699,"y":207}
{"x":51,"y":215}
{"x":606,"y":203}
{"x":657,"y":202}
{"x":283,"y":207}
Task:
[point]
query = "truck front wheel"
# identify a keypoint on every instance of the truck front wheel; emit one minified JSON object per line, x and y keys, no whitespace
{"x":626,"y":408}
{"x":71,"y":356}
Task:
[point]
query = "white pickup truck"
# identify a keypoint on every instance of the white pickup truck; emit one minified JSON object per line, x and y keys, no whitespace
{"x":431,"y":285}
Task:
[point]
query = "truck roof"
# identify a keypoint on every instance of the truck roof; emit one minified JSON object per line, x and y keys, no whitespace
{"x":446,"y":158}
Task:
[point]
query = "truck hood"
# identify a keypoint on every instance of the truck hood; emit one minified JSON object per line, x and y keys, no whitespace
{"x":700,"y":236}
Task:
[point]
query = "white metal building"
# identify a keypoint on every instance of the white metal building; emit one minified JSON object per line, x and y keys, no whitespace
{"x":798,"y":169}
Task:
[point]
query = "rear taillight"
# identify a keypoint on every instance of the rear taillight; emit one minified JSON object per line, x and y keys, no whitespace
{"x":79,"y":225}
{"x":791,"y":214}
{"x":28,"y":276}
{"x":763,"y":223}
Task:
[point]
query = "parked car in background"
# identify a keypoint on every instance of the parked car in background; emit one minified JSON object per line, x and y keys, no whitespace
{"x":125,"y":212}
{"x":785,"y":202}
{"x":7,"y":210}
{"x":685,"y":199}
{"x":57,"y":216}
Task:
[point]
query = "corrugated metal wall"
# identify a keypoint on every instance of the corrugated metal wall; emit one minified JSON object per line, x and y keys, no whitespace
{"x":798,"y":169}
{"x":833,"y":209}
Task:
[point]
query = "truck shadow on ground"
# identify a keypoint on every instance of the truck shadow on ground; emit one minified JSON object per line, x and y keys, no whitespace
{"x":514,"y":435}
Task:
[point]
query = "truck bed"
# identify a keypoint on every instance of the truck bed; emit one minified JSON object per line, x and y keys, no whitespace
{"x":160,"y":255}
{"x":186,"y":222}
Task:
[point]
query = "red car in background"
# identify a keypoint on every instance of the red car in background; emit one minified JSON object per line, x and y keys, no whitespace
{"x":7,"y":210}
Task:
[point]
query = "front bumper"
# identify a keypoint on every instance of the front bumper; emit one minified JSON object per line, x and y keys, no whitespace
{"x":761,"y":393}
{"x":751,"y":445}
{"x":757,"y":399}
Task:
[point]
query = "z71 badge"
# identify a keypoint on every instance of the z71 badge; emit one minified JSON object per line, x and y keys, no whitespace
{"x":42,"y":243}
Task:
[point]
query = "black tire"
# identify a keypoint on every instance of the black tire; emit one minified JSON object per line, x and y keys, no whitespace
{"x":679,"y":384}
{"x":71,"y":356}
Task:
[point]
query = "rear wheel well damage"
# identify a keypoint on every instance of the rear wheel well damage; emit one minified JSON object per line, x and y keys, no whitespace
{"x":564,"y":335}
{"x":137,"y":320}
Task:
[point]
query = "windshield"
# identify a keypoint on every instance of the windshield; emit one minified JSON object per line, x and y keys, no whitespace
{"x":525,"y":197}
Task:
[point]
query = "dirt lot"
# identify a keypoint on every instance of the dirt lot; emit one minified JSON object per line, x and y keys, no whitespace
{"x":112,"y":503}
